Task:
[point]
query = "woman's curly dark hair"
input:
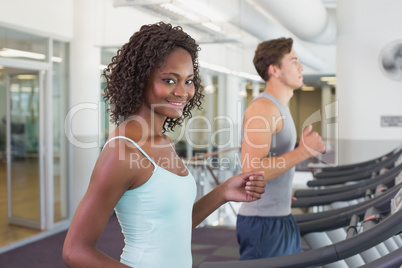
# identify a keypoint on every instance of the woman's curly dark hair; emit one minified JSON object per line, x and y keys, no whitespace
{"x":128,"y":73}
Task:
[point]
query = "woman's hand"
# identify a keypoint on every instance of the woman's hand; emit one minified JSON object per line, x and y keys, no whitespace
{"x":245,"y":187}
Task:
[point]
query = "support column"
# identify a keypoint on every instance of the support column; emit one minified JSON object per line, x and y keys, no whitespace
{"x":364,"y":93}
{"x":235,"y":107}
{"x":84,"y":97}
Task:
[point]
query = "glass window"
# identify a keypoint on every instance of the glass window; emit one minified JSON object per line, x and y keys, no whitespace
{"x":20,"y":45}
{"x":25,"y":135}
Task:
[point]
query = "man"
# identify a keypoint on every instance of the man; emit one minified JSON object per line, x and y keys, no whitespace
{"x":266,"y":228}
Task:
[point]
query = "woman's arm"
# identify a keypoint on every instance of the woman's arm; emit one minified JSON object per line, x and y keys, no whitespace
{"x":108,"y":183}
{"x":245,"y":187}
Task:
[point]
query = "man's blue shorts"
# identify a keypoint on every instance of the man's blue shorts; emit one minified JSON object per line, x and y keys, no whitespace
{"x":265,"y":237}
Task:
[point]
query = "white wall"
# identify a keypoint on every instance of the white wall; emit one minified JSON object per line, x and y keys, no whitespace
{"x":364,"y":92}
{"x":115,"y":25}
{"x":53,"y":17}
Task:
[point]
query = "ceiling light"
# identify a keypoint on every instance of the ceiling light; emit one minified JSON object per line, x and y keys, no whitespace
{"x":212,"y":26}
{"x":214,"y":67}
{"x":209,"y":89}
{"x":307,"y":88}
{"x":14,"y":53}
{"x":331,"y":83}
{"x":203,"y":9}
{"x":208,"y":84}
{"x":180,"y":12}
{"x":27,"y":76}
{"x":221,"y":69}
{"x":57,"y":59}
{"x":328,"y":78}
{"x":243,"y":93}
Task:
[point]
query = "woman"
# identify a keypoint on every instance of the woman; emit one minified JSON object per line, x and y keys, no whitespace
{"x":152,"y":85}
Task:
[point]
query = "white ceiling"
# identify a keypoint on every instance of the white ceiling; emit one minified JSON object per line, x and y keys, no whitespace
{"x":311,"y":23}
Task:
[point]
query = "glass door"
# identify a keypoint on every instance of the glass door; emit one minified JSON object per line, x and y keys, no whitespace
{"x":23,"y":149}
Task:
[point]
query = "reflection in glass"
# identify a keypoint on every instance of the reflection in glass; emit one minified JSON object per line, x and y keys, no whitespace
{"x":3,"y":159}
{"x":60,"y":86}
{"x":24,"y":146}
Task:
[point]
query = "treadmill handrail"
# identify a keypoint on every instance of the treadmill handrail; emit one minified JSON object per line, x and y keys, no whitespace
{"x":383,"y":178}
{"x":375,"y":166}
{"x":340,"y":180}
{"x":333,"y":216}
{"x":330,"y":198}
{"x":397,"y":150}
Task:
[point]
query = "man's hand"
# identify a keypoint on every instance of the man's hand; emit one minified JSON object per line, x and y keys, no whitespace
{"x":311,"y":143}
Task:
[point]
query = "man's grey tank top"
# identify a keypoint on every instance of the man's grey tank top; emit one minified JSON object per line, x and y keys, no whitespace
{"x":276,"y":201}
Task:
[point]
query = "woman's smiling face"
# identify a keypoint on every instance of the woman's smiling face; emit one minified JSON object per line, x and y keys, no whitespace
{"x":171,"y":85}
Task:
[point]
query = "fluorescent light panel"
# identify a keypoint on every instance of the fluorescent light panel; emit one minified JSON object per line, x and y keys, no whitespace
{"x":212,"y":26}
{"x":225,"y":70}
{"x":180,"y":12}
{"x":328,"y":78}
{"x":306,"y":88}
{"x":202,"y":11}
{"x":243,"y":93}
{"x":26,"y":76}
{"x":15,"y":53}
